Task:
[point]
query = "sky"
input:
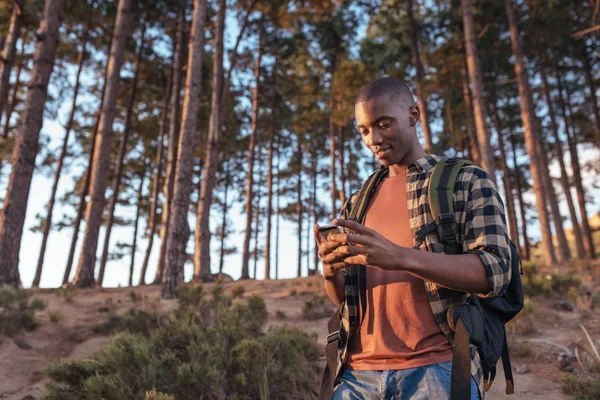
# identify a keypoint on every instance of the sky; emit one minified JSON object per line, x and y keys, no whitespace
{"x":117,"y":271}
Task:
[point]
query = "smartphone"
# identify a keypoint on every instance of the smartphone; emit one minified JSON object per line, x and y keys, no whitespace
{"x":327,"y":229}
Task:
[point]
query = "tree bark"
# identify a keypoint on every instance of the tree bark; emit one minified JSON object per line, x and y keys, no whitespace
{"x":178,"y":225}
{"x":472,"y":135}
{"x":9,"y":51}
{"x":85,"y":185}
{"x":416,"y":62}
{"x":340,"y":155}
{"x":332,"y":136}
{"x":587,"y":68}
{"x":525,"y":249}
{"x":508,"y":192}
{"x":278,"y":214}
{"x":12,"y":216}
{"x":136,"y":224}
{"x":250,"y":176}
{"x":13,"y":98}
{"x":269,"y":211}
{"x":314,"y":166}
{"x":211,"y":161}
{"x":156,"y":181}
{"x":116,"y":187}
{"x":531,"y":136}
{"x":576,"y":167}
{"x":564,"y":176}
{"x":483,"y":134}
{"x":299,"y":203}
{"x":59,"y":163}
{"x":224,"y":221}
{"x":173,"y":142}
{"x":257,"y":213}
{"x":87,"y":259}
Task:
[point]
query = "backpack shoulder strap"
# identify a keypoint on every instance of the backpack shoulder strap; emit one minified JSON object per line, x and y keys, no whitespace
{"x":441,"y":189}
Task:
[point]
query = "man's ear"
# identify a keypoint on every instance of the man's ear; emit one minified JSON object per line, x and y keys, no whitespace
{"x":414,"y":114}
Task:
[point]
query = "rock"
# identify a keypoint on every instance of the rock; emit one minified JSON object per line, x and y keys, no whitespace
{"x":22,"y":344}
{"x":103,"y":309}
{"x":521,"y":369}
{"x":564,"y":306}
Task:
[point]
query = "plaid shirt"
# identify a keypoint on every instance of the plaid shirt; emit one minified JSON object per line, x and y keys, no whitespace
{"x":480,"y":227}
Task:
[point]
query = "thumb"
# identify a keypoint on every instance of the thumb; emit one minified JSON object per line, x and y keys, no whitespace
{"x":318,"y":235}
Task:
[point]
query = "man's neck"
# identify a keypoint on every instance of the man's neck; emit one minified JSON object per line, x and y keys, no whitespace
{"x":410,"y":158}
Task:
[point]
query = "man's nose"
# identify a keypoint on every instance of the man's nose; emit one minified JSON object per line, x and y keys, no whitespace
{"x":376,"y":137}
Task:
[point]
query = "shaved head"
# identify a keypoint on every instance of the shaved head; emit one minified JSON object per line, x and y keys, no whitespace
{"x":398,"y":92}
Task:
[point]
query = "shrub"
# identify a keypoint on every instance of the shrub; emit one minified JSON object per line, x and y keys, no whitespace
{"x":279,"y":314}
{"x":134,"y":321}
{"x":317,"y":307}
{"x":136,"y":298}
{"x":210,"y":347}
{"x":238,"y":291}
{"x":16,"y":311}
{"x":580,"y":388}
{"x":68,"y":292}
{"x":54,"y":315}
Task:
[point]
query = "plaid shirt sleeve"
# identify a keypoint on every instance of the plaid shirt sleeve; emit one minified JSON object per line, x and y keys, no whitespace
{"x":485,"y":230}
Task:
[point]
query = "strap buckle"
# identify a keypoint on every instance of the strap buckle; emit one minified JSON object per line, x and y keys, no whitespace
{"x":446,"y":221}
{"x":333,"y":336}
{"x":445,"y":218}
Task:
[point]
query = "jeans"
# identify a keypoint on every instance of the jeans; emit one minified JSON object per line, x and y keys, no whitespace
{"x":428,"y":382}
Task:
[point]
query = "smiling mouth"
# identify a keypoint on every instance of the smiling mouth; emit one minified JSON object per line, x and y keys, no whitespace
{"x":381,"y":152}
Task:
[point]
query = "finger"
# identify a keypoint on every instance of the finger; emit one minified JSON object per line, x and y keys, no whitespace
{"x":335,"y":266}
{"x":332,"y":258}
{"x":349,"y":238}
{"x":350,"y":249}
{"x":327,"y":247}
{"x":318,"y":235}
{"x":355,"y":226}
{"x":358,"y":259}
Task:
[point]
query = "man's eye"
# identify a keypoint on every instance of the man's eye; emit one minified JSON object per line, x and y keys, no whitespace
{"x":384,"y":124}
{"x":364,"y":132}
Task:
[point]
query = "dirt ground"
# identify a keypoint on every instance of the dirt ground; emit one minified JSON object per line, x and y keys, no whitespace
{"x":71,"y":336}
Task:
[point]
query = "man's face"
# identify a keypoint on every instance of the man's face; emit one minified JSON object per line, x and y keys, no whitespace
{"x":386,"y":128}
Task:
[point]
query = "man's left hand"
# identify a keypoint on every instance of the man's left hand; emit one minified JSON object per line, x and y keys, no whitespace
{"x":367,"y":247}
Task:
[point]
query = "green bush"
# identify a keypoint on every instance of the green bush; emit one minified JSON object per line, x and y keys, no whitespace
{"x":68,"y":292}
{"x":238,"y":291}
{"x":16,"y":311}
{"x":134,"y":321}
{"x":580,"y":388}
{"x":210,"y":347}
{"x":317,"y":307}
{"x":535,"y":283}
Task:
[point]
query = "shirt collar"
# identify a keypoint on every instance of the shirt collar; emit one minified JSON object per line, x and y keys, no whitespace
{"x":424,"y":164}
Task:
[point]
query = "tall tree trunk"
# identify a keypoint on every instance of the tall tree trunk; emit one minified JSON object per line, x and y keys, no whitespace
{"x":158,"y":162}
{"x":257,"y":213}
{"x":532,"y":136}
{"x":564,"y":177}
{"x":508,"y":192}
{"x":269,"y":211}
{"x":224,"y":221}
{"x":416,"y":62}
{"x":9,"y":51}
{"x":93,"y":215}
{"x":85,"y":185}
{"x":472,"y":135}
{"x":576,"y":167}
{"x":13,"y":98}
{"x":178,"y":225}
{"x":173,"y":141}
{"x":250,"y":176}
{"x":342,"y":191}
{"x":211,"y":161}
{"x":483,"y":134}
{"x":587,"y":68}
{"x":299,"y":203}
{"x":332,"y":136}
{"x":525,"y":249}
{"x":116,"y":187}
{"x":12,"y":216}
{"x":59,"y":163}
{"x":278,"y":214}
{"x":136,"y":223}
{"x":314,"y":166}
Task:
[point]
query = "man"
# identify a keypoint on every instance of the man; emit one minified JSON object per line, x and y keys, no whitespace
{"x":403,"y":347}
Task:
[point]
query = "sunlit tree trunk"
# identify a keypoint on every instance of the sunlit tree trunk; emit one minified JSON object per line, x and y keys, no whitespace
{"x":158,"y":162}
{"x":87,"y":259}
{"x":257,"y":211}
{"x":278,"y":207}
{"x":172,"y":141}
{"x":7,"y":57}
{"x":299,"y":203}
{"x":531,"y":136}
{"x":250,"y":174}
{"x":136,"y":224}
{"x":211,"y":161}
{"x":12,"y":216}
{"x":525,"y":249}
{"x":59,"y":163}
{"x":271,"y":150}
{"x":340,"y":155}
{"x":314,"y":166}
{"x":483,"y":134}
{"x":178,"y":225}
{"x":10,"y":107}
{"x":576,"y":167}
{"x":416,"y":62}
{"x":224,"y":221}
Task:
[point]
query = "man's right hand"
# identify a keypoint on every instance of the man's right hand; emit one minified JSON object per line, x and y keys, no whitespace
{"x":332,"y":262}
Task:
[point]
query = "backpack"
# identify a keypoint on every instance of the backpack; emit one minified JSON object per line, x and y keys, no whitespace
{"x":479,"y":321}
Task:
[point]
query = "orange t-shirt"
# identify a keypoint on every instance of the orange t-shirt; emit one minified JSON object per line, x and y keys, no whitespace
{"x":398,"y":330}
